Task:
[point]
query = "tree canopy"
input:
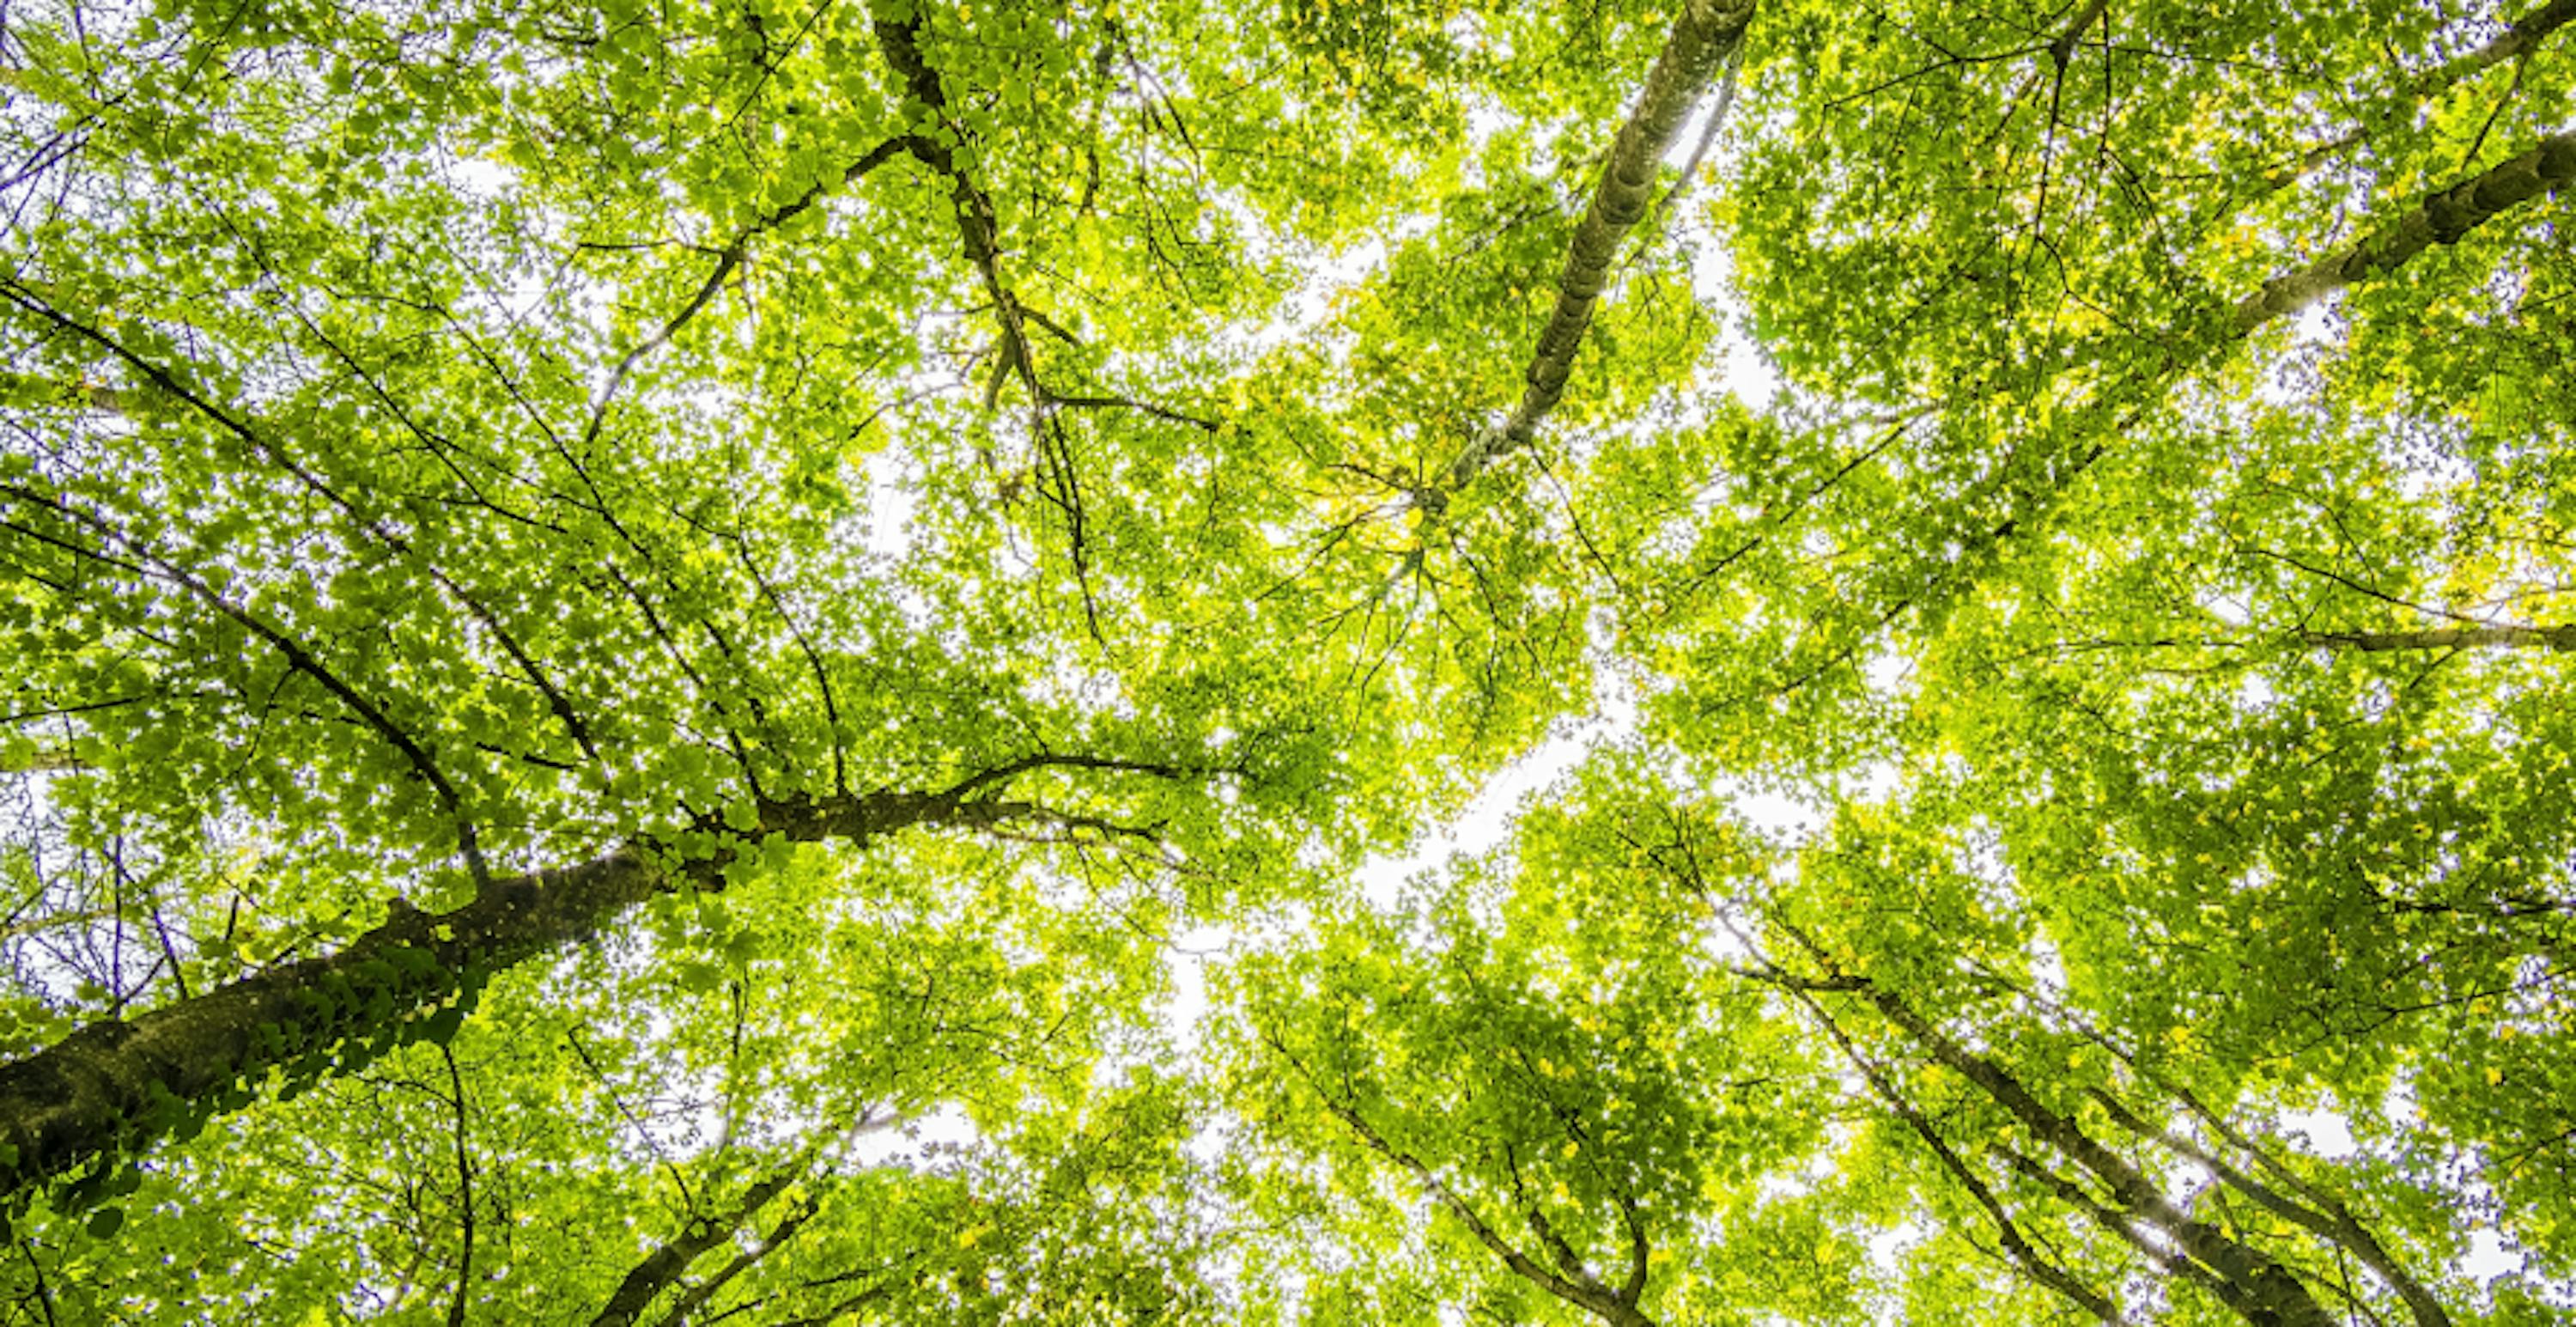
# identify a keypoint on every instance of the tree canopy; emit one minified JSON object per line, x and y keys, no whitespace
{"x":767,"y":661}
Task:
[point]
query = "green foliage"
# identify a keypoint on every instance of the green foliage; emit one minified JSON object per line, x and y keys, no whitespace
{"x":654,"y":657}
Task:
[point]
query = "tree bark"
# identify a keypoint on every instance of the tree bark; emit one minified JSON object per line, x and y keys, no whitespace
{"x":663,"y":1267}
{"x":2447,"y":638}
{"x":2444,"y":217}
{"x":2260,"y":1279}
{"x":2517,"y":41}
{"x":1708,"y":32}
{"x":2328,"y":1219}
{"x":695,"y":1297}
{"x":117,"y":1085}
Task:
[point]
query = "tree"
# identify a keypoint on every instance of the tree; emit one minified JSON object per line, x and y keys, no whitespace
{"x":600,"y":597}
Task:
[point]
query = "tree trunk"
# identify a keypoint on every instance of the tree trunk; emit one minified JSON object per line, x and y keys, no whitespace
{"x":2263,"y":1282}
{"x":117,"y":1085}
{"x":2441,"y":218}
{"x":1708,"y":32}
{"x":664,"y":1266}
{"x":2447,"y":638}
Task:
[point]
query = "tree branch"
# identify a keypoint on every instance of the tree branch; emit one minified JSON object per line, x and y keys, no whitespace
{"x":116,"y":1085}
{"x":728,"y":259}
{"x":2561,"y":637}
{"x":2262,"y":1279}
{"x":2016,"y":1245}
{"x":2444,"y":217}
{"x":464,"y":1196}
{"x":1592,"y":1299}
{"x":663,"y":1267}
{"x":978,"y":225}
{"x":298,"y":658}
{"x":2334,"y":1224}
{"x":695,"y":1297}
{"x":1707,"y":32}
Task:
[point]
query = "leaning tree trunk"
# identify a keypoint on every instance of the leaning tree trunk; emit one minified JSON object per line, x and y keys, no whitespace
{"x":2440,"y":218}
{"x":117,"y":1085}
{"x":1706,"y":35}
{"x":663,"y":1268}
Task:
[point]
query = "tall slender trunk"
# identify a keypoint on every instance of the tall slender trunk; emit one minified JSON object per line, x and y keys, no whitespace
{"x":2272,"y":1291}
{"x":1703,"y":38}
